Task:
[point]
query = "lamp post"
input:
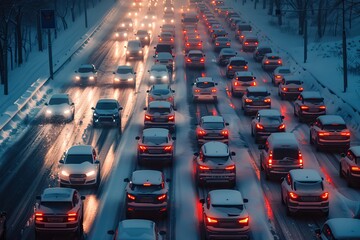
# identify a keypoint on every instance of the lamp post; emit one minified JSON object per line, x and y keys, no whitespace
{"x":344,"y":47}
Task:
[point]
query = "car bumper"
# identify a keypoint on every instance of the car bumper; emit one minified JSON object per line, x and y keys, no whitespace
{"x":195,"y":65}
{"x":146,"y":207}
{"x":308,"y":206}
{"x":264,"y":135}
{"x":57,"y":227}
{"x":270,"y":67}
{"x":205,"y":97}
{"x":156,"y":157}
{"x":333,"y":143}
{"x":106,"y":120}
{"x":224,"y":233}
{"x":311,"y":115}
{"x":281,"y":170}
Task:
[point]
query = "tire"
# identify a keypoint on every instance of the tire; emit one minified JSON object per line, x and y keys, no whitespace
{"x":215,"y":99}
{"x":261,"y":166}
{"x":80,"y":232}
{"x":252,"y":133}
{"x":317,"y":147}
{"x":282,"y":198}
{"x":295,"y":112}
{"x":341,"y":174}
{"x":348,"y":180}
{"x":267,"y":175}
{"x":288,"y":212}
{"x":98,"y":180}
{"x":311,"y":140}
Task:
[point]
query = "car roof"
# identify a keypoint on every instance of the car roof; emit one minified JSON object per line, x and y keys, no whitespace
{"x":155,"y":132}
{"x":237,"y":58}
{"x":195,"y":51}
{"x":263,"y":46}
{"x":305,"y":175}
{"x":226,"y":197}
{"x":136,"y":229}
{"x":331,"y":119}
{"x":146,"y":176}
{"x":80,"y":149}
{"x":311,"y":94}
{"x":344,"y":227}
{"x":355,"y":150}
{"x":161,"y":86}
{"x":125,"y":67}
{"x":257,"y":89}
{"x":282,"y":67}
{"x":166,"y":33}
{"x":158,"y":66}
{"x":214,"y":149}
{"x":60,"y":95}
{"x":107,"y":100}
{"x":204,"y":79}
{"x":227,"y":50}
{"x":269,"y":112}
{"x":283,"y":139}
{"x":159,"y":104}
{"x":212,"y":119}
{"x":57,"y":194}
{"x":244,"y":74}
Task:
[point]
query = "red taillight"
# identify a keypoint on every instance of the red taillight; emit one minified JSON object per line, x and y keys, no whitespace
{"x":168,"y":148}
{"x":301,"y":89}
{"x":147,"y":184}
{"x":284,"y":89}
{"x":162,"y":197}
{"x":188,"y":60}
{"x":211,"y":220}
{"x":232,"y":167}
{"x":147,"y":117}
{"x":228,"y":44}
{"x":267,"y":100}
{"x":279,"y":62}
{"x":142,"y":148}
{"x":199,"y":44}
{"x":253,"y":84}
{"x":278,"y":76}
{"x":321,"y":134}
{"x":225,"y":132}
{"x":267,"y":62}
{"x":304,"y":107}
{"x":256,"y":43}
{"x":245,"y":67}
{"x":259,"y":126}
{"x":248,"y":100}
{"x":322,"y":107}
{"x":187,"y":44}
{"x":236,"y":84}
{"x":300,"y":159}
{"x":230,"y":67}
{"x":324,"y":196}
{"x":72,"y":217}
{"x":246,"y":43}
{"x":345,"y":134}
{"x":242,"y":36}
{"x":171,"y":118}
{"x":202,"y":60}
{"x":39,"y":216}
{"x":131,"y":197}
{"x":355,"y":169}
{"x":202,"y":167}
{"x":282,"y":126}
{"x":197,"y":90}
{"x":201,"y":132}
{"x":214,"y":90}
{"x":293,"y":196}
{"x":171,"y":39}
{"x":270,"y":159}
{"x":217,"y":44}
{"x":244,"y":221}
{"x":160,"y":39}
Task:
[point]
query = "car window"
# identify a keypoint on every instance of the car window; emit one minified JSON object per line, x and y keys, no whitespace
{"x":238,"y":63}
{"x":238,"y":207}
{"x":205,"y":84}
{"x":308,"y":186}
{"x":154,"y":140}
{"x":159,"y":92}
{"x":251,"y":40}
{"x":159,"y":110}
{"x":198,"y":55}
{"x":124,"y":70}
{"x":334,"y":127}
{"x":78,"y":158}
{"x":106,"y":106}
{"x":57,"y":101}
{"x":257,"y":94}
{"x":133,"y":44}
{"x":270,"y":120}
{"x":281,"y":153}
{"x":245,"y":79}
{"x":146,"y":189}
{"x":216,"y":159}
{"x":85,"y":69}
{"x":213,"y":125}
{"x":141,"y":32}
{"x":58,"y":206}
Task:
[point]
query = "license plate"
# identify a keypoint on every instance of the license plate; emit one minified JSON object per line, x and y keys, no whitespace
{"x":146,"y":199}
{"x":155,"y":151}
{"x":55,"y":225}
{"x":54,"y":219}
{"x":77,"y":180}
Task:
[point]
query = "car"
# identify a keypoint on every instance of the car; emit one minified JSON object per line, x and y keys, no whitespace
{"x":290,"y":87}
{"x":266,"y":122}
{"x":222,"y":42}
{"x":3,"y":225}
{"x":136,"y":229}
{"x":255,"y":99}
{"x":151,"y":15}
{"x":212,"y":128}
{"x":240,"y":27}
{"x":144,"y":36}
{"x":192,"y":35}
{"x":350,"y":166}
{"x":107,"y":111}
{"x":309,"y":105}
{"x":134,"y":50}
{"x":214,"y":165}
{"x":168,"y":28}
{"x":160,"y":114}
{"x":59,"y":210}
{"x":161,"y":92}
{"x":241,"y":81}
{"x":166,"y":38}
{"x":159,"y":74}
{"x":189,"y":19}
{"x":224,"y":215}
{"x":163,"y":47}
{"x":235,"y":64}
{"x":303,"y":190}
{"x":218,"y":32}
{"x":87,"y":73}
{"x":190,"y":28}
{"x":280,"y":154}
{"x":233,"y":21}
{"x":60,"y":107}
{"x":147,"y":192}
{"x":242,"y":36}
{"x":249,"y":43}
{"x":224,"y":56}
{"x":193,"y":44}
{"x":195,"y":59}
{"x":128,"y":23}
{"x":213,"y":25}
{"x":280,"y":73}
{"x":80,"y":166}
{"x":121,"y":33}
{"x":260,"y":51}
{"x":271,"y":61}
{"x":125,"y":74}
{"x":168,"y":17}
{"x":339,"y":228}
{"x":204,"y":88}
{"x":330,"y":131}
{"x":165,"y":58}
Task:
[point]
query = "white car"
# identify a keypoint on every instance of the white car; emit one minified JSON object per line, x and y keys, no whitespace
{"x":80,"y":166}
{"x":134,"y":50}
{"x":204,"y":88}
{"x":165,"y":58}
{"x":60,"y":106}
{"x":339,"y":228}
{"x":86,"y":73}
{"x":144,"y":36}
{"x":161,"y":92}
{"x":125,"y":75}
{"x":279,"y":73}
{"x":159,"y":74}
{"x":121,"y":33}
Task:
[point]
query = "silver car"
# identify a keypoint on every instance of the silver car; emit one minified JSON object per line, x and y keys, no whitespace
{"x":290,"y":87}
{"x":339,"y":228}
{"x":255,"y":99}
{"x":241,"y":81}
{"x":212,"y":128}
{"x":204,"y":88}
{"x":266,"y":122}
{"x":125,"y":75}
{"x":309,"y":105}
{"x":280,"y":73}
{"x":60,"y":106}
{"x":87,"y":73}
{"x":350,"y":166}
{"x":161,"y":92}
{"x":160,"y":114}
{"x":159,"y":74}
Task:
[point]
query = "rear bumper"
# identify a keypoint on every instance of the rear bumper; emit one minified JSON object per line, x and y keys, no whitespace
{"x":56,"y":227}
{"x":226,"y":233}
{"x":308,"y":206}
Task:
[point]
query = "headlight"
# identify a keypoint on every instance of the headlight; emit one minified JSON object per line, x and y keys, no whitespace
{"x":172,"y":20}
{"x":150,"y":24}
{"x":164,"y":77}
{"x":137,"y":38}
{"x":152,"y":77}
{"x":116,"y":34}
{"x":48,"y":111}
{"x":91,"y":78}
{"x":140,"y":51}
{"x":123,"y":24}
{"x":116,"y":79}
{"x":88,"y":174}
{"x":146,"y":17}
{"x":77,"y":77}
{"x":163,"y":20}
{"x":125,"y":34}
{"x":130,"y":24}
{"x":65,"y":173}
{"x":127,"y":52}
{"x":95,"y":114}
{"x":67,"y":111}
{"x":115,"y":114}
{"x":130,"y":79}
{"x":146,"y":38}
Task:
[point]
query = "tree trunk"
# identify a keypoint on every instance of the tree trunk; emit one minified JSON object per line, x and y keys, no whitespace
{"x":264,"y":4}
{"x":65,"y":25}
{"x":2,"y":73}
{"x":39,"y":33}
{"x":320,"y":18}
{"x":18,"y":41}
{"x":271,"y":7}
{"x":278,"y":6}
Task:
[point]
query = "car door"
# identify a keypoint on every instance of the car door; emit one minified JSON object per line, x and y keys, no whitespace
{"x":286,"y":186}
{"x":349,"y":161}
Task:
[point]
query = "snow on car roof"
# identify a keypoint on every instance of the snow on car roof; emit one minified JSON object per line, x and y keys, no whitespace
{"x":244,"y":74}
{"x":292,"y":78}
{"x":57,"y":194}
{"x":159,"y":104}
{"x":269,"y":112}
{"x":344,"y":228}
{"x":125,"y":67}
{"x":158,"y":67}
{"x":331,"y":119}
{"x":227,"y":51}
{"x":155,"y":132}
{"x":311,"y":94}
{"x":164,"y":55}
{"x":257,"y":89}
{"x":136,"y":223}
{"x":80,"y":149}
{"x":212,"y":119}
{"x":226,"y":197}
{"x":60,"y":95}
{"x":204,"y":79}
{"x":305,"y":175}
{"x":107,"y":100}
{"x":146,"y":176}
{"x":195,"y":52}
{"x":355,"y":150}
{"x":214,"y":149}
{"x":283,"y":138}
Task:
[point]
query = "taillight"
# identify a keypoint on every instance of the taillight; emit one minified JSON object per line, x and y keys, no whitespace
{"x":301,"y":89}
{"x":162,"y":197}
{"x":267,"y":62}
{"x":211,"y":220}
{"x":278,"y":76}
{"x":188,"y":60}
{"x":324,"y":196}
{"x":142,"y":148}
{"x":147,"y":117}
{"x":168,"y":148}
{"x":293,"y":196}
{"x":232,"y":167}
{"x":267,"y":100}
{"x":202,"y":60}
{"x":246,"y":43}
{"x":345,"y":134}
{"x":245,"y":67}
{"x":171,"y":118}
{"x":217,"y":44}
{"x":282,"y":126}
{"x":236,"y":84}
{"x":253,"y":84}
{"x":39,"y":216}
{"x":230,"y":67}
{"x":300,"y":158}
{"x":285,"y":89}
{"x":321,"y":134}
{"x":259,"y":126}
{"x":225,"y":132}
{"x":242,"y":36}
{"x":322,"y":107}
{"x":214,"y":90}
{"x":244,"y":221}
{"x":197,"y":90}
{"x":248,"y":100}
{"x":199,"y":44}
{"x":270,"y":159}
{"x":304,"y":107}
{"x":202,"y":167}
{"x":279,"y":62}
{"x":355,"y":169}
{"x":256,"y":43}
{"x":72,"y":217}
{"x":228,"y":44}
{"x":171,"y":39}
{"x":187,"y":44}
{"x":160,"y":39}
{"x":131,"y":197}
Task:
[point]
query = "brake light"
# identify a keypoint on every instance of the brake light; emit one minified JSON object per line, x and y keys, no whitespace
{"x":72,"y":217}
{"x":225,"y":132}
{"x":170,"y":99}
{"x":171,"y":118}
{"x":282,"y":126}
{"x":244,"y":221}
{"x":256,"y":43}
{"x":228,"y":44}
{"x":324,"y":196}
{"x":162,"y":197}
{"x":300,"y":158}
{"x":160,"y":39}
{"x":236,"y":84}
{"x":39,"y":216}
{"x":320,"y":134}
{"x":245,"y":67}
{"x":142,"y":148}
{"x":355,"y":169}
{"x":232,"y":167}
{"x":322,"y":107}
{"x":253,"y":83}
{"x":345,"y":134}
{"x":213,"y":90}
{"x":304,"y":107}
{"x":199,"y":44}
{"x":167,"y":148}
{"x":284,"y":89}
{"x":171,"y":39}
{"x":248,"y":100}
{"x":131,"y":197}
{"x":242,"y":36}
{"x":246,"y":43}
{"x":202,"y":167}
{"x":197,"y":90}
{"x":293,"y":196}
{"x":187,"y":44}
{"x":267,"y":100}
{"x":230,"y":67}
{"x":259,"y":126}
{"x":211,"y":220}
{"x":147,"y":117}
{"x":217,"y":44}
{"x":202,"y":60}
{"x":278,"y":76}
{"x":279,"y":62}
{"x":267,"y":62}
{"x":270,"y":159}
{"x":301,"y":89}
{"x":188,"y":60}
{"x":147,"y":184}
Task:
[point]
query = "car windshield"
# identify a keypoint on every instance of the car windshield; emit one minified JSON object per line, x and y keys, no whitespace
{"x":257,"y":94}
{"x":314,"y":100}
{"x":296,"y":82}
{"x":270,"y":120}
{"x":281,"y":153}
{"x":284,"y":71}
{"x":238,"y":207}
{"x":158,"y":69}
{"x":265,"y":50}
{"x":213,"y":125}
{"x":124,"y":70}
{"x":64,"y":206}
{"x":205,"y":84}
{"x":195,"y":55}
{"x":159,"y":92}
{"x":217,"y":159}
{"x":106,"y":106}
{"x":157,"y":140}
{"x":238,"y":63}
{"x":308,"y":186}
{"x":245,"y":79}
{"x":146,"y":189}
{"x":57,"y":101}
{"x":142,"y":32}
{"x":85,"y":69}
{"x":78,"y":158}
{"x":251,"y":40}
{"x":159,"y":110}
{"x":133,"y":44}
{"x":334,"y":127}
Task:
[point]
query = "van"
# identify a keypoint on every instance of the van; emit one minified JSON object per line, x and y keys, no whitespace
{"x":280,"y":154}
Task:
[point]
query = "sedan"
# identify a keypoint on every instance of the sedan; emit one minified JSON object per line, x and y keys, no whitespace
{"x":107,"y":111}
{"x":256,"y":98}
{"x":165,"y":58}
{"x":87,"y":73}
{"x":204,"y":88}
{"x":309,"y":105}
{"x":280,"y":73}
{"x":290,"y":87}
{"x":212,"y":128}
{"x":60,"y":106}
{"x":271,"y":61}
{"x":161,"y":92}
{"x":225,"y":54}
{"x":159,"y":74}
{"x":350,"y":166}
{"x":266,"y":122}
{"x":160,"y":114}
{"x":125,"y":75}
{"x":222,"y":42}
{"x":195,"y":58}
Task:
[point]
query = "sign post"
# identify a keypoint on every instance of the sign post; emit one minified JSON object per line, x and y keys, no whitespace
{"x":48,"y":22}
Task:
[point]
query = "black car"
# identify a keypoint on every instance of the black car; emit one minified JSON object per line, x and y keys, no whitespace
{"x":260,"y":52}
{"x":163,"y":47}
{"x":107,"y":111}
{"x":225,"y":54}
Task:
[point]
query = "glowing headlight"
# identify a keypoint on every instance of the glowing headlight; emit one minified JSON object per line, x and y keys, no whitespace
{"x":77,"y":77}
{"x":48,"y":112}
{"x":127,"y":52}
{"x":67,"y":111}
{"x":116,"y":34}
{"x":152,"y":77}
{"x":153,"y":17}
{"x":116,"y":79}
{"x":88,"y":174}
{"x":137,"y":38}
{"x":130,"y":79}
{"x":95,"y":114}
{"x":164,"y":77}
{"x":134,"y":4}
{"x":146,"y":17}
{"x":172,"y":20}
{"x":130,"y":24}
{"x":123,"y":24}
{"x":140,"y":51}
{"x":125,"y":34}
{"x":163,"y":20}
{"x":91,"y":78}
{"x":146,"y":38}
{"x":65,"y":173}
{"x":150,"y":24}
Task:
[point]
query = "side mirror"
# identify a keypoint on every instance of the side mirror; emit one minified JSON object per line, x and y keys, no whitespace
{"x":202,"y":201}
{"x":148,"y":71}
{"x":145,"y":108}
{"x":246,"y":200}
{"x":158,"y":35}
{"x":261,"y":147}
{"x":126,"y":180}
{"x":83,"y":198}
{"x":38,"y":197}
{"x":173,"y":91}
{"x":342,"y":154}
{"x":92,"y":108}
{"x":154,"y":56}
{"x":233,"y":153}
{"x":174,"y":109}
{"x":111,"y":232}
{"x":137,"y":138}
{"x":97,"y":162}
{"x":196,"y":154}
{"x":61,"y":161}
{"x":120,"y":108}
{"x":134,"y":72}
{"x":46,"y":104}
{"x":173,"y":138}
{"x":75,"y":71}
{"x":268,"y":94}
{"x":147,"y":91}
{"x":154,"y":47}
{"x":72,"y":104}
{"x":113,"y":72}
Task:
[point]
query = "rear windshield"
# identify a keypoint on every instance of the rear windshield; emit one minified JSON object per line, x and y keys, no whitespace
{"x":314,"y":100}
{"x":106,"y":106}
{"x":58,"y":206}
{"x":159,"y":92}
{"x":133,"y":44}
{"x":270,"y":120}
{"x":160,"y":110}
{"x":205,"y":84}
{"x":213,"y":125}
{"x":163,"y":47}
{"x":281,"y":153}
{"x":257,"y":94}
{"x":78,"y":158}
{"x":146,"y":189}
{"x":308,"y":186}
{"x":297,"y":82}
{"x":155,"y":140}
{"x":217,"y":159}
{"x":199,"y":55}
{"x":56,"y":101}
{"x":142,"y":32}
{"x":229,"y":207}
{"x":244,"y":27}
{"x":238,"y":63}
{"x":334,"y":127}
{"x":245,"y":79}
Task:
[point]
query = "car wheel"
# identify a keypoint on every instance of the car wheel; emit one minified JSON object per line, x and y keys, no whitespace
{"x":326,"y":214}
{"x":317,"y":146}
{"x":252,"y":131}
{"x":310,"y":139}
{"x":95,"y":125}
{"x":288,"y":212}
{"x":348,"y":179}
{"x":261,"y":165}
{"x":80,"y":232}
{"x":256,"y":140}
{"x":341,"y":174}
{"x":98,"y":180}
{"x":267,"y":175}
{"x":295,"y":112}
{"x":282,"y":197}
{"x":140,"y":161}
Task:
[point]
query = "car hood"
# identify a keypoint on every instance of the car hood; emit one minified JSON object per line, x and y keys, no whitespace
{"x":106,"y":111}
{"x":124,"y":75}
{"x":58,"y":108}
{"x":158,"y":73}
{"x":79,"y":168}
{"x":88,"y":74}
